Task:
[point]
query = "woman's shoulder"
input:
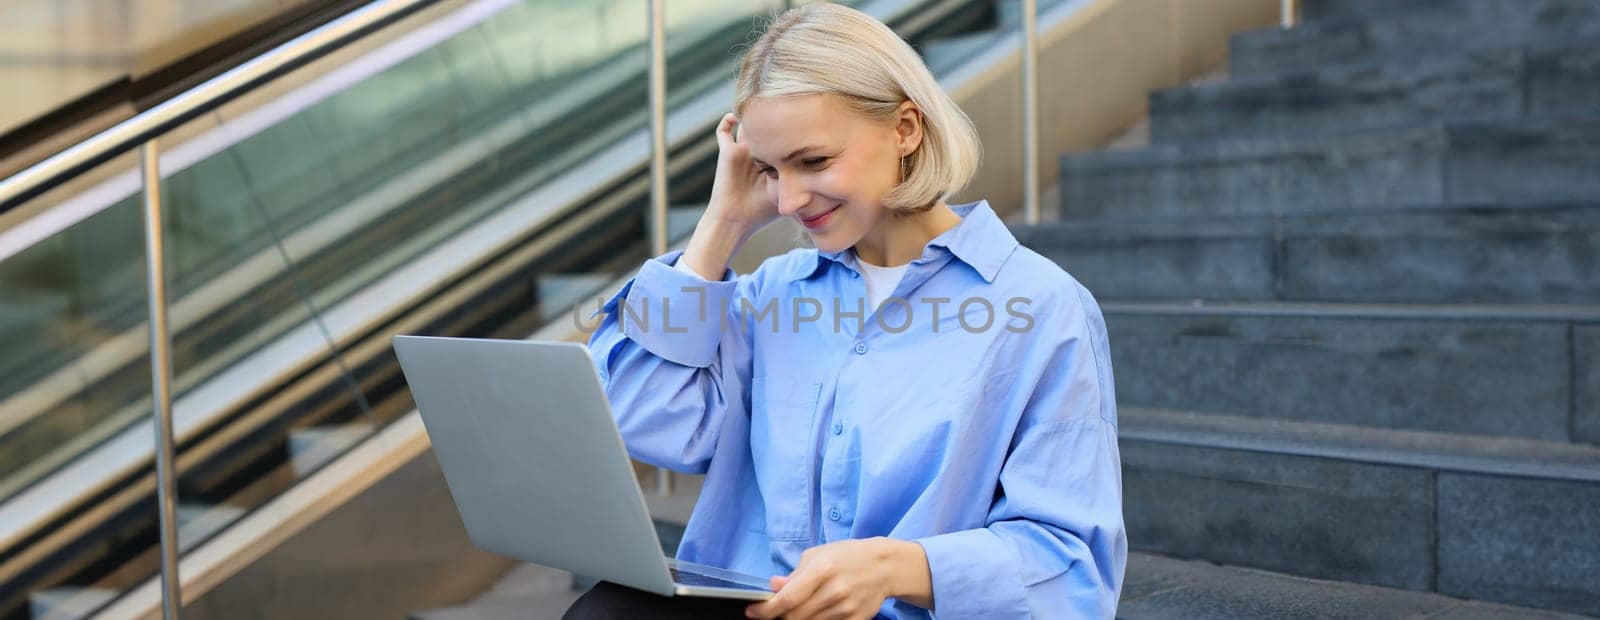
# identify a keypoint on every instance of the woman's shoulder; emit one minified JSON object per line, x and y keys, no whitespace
{"x":1030,"y":274}
{"x":791,"y":265}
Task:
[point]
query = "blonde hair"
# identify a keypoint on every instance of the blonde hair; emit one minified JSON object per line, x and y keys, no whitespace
{"x":837,"y":50}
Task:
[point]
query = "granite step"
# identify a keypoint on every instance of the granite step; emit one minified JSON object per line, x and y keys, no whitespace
{"x":1163,"y":588}
{"x":1496,"y":84}
{"x":1154,"y":587}
{"x":1529,"y":372}
{"x":1436,"y":164}
{"x":1514,"y":255}
{"x":1406,"y":32}
{"x":1506,"y":520}
{"x":1317,"y":10}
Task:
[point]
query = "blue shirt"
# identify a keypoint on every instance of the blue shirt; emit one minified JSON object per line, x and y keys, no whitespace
{"x":973,"y":413}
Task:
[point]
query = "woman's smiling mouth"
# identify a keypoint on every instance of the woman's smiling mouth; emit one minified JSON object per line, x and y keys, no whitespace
{"x":818,"y":221}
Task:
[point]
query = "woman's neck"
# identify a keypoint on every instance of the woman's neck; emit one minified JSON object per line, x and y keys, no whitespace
{"x":898,"y":240}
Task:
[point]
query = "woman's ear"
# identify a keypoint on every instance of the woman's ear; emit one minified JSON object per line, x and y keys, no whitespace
{"x":908,"y":128}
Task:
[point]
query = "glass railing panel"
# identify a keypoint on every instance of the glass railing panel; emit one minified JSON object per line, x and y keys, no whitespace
{"x":66,"y":305}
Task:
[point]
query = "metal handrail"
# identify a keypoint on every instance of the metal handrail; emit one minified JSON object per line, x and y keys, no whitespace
{"x":204,"y":97}
{"x":141,"y":132}
{"x":1030,"y":111}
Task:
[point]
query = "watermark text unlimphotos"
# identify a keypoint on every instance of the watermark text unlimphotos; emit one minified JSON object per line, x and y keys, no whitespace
{"x":895,"y":315}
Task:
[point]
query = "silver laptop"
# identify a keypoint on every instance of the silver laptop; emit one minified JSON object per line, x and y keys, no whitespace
{"x":537,"y":467}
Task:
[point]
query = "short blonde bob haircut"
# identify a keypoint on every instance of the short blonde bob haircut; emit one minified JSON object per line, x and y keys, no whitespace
{"x":832,"y":49}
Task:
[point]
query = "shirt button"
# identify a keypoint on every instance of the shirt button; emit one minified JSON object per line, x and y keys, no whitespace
{"x":861,"y":348}
{"x":834,"y":514}
{"x":838,"y":428}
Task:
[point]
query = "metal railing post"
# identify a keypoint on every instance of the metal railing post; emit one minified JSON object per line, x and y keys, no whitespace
{"x":161,"y":378}
{"x":1030,"y":111}
{"x":658,"y":160}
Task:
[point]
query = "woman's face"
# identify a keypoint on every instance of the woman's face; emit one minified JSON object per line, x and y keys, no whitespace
{"x":827,"y":165}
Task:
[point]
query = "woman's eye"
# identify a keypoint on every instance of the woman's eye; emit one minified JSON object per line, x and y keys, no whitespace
{"x":815,"y":162}
{"x":772,"y":173}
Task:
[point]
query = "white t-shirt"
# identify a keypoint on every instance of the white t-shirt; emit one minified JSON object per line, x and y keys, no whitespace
{"x":880,"y":281}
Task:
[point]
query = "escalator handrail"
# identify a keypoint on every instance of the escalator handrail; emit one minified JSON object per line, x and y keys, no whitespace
{"x":204,"y":97}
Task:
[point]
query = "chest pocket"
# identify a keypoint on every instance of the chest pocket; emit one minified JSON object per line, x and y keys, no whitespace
{"x":782,"y":446}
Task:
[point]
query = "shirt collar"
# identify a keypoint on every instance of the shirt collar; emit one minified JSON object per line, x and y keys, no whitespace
{"x":981,"y":240}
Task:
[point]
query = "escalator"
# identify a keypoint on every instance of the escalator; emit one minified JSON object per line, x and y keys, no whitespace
{"x":75,"y":68}
{"x":474,"y":169}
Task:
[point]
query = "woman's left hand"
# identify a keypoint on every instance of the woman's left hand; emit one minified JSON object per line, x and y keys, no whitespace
{"x":847,"y":579}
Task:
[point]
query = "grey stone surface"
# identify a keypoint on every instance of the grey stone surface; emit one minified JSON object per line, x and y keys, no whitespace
{"x":1521,"y":541}
{"x":1314,"y":10}
{"x":1423,"y":30}
{"x":1478,"y":85}
{"x":1497,"y":378}
{"x":1315,"y":517}
{"x":1510,"y":255}
{"x":1562,"y":77}
{"x":1532,"y":160}
{"x":1159,"y":587}
{"x":1453,"y":164}
{"x":1586,"y":383}
{"x":1256,"y":175}
{"x":1269,"y":596}
{"x":1148,"y":574}
{"x":1213,"y":258}
{"x":1430,"y":450}
{"x":1491,"y":611}
{"x":1455,"y":255}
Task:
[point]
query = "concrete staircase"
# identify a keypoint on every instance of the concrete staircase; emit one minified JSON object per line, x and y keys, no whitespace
{"x":1353,"y":295}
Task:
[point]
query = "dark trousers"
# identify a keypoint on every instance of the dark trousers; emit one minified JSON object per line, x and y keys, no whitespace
{"x":607,"y":600}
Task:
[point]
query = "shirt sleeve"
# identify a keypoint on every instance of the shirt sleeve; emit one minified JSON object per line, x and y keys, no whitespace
{"x":671,"y":357}
{"x":1054,"y":545}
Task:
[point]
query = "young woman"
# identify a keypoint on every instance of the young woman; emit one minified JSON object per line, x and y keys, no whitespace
{"x":914,"y":417}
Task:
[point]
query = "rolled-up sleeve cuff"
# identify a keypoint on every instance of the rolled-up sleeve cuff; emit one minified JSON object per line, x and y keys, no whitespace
{"x":964,"y":566}
{"x":674,"y":314}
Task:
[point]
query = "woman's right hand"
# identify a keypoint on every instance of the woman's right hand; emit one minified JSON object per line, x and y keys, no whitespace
{"x":739,"y":190}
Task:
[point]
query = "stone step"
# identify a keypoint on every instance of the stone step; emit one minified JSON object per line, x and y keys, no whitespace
{"x":1318,"y":10}
{"x":1504,"y":520}
{"x":1497,"y":371}
{"x":1437,"y":164}
{"x":198,"y":522}
{"x":68,"y":603}
{"x":1163,"y":588}
{"x":1421,"y":30}
{"x":1498,"y":84}
{"x":1531,"y":255}
{"x":311,"y":448}
{"x":945,"y":54}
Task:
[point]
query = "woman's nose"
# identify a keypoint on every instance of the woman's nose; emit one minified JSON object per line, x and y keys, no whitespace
{"x":792,"y":195}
